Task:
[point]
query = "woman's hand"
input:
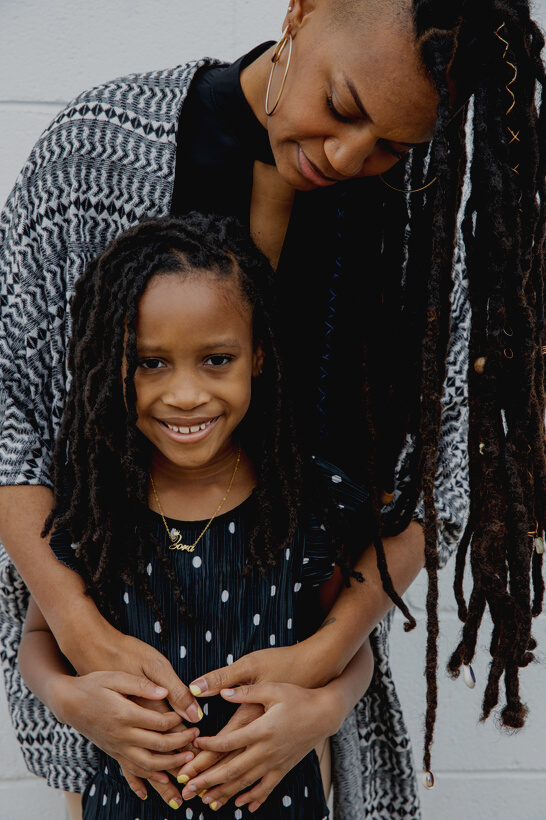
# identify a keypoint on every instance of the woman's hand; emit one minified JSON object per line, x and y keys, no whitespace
{"x":127,"y":718}
{"x":260,"y":753}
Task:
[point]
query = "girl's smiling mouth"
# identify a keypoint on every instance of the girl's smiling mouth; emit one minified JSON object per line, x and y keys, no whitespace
{"x":196,"y":430}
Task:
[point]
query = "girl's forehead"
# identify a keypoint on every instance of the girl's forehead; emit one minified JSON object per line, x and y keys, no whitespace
{"x":180,"y":298}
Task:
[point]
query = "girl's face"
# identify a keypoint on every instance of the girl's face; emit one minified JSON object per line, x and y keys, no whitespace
{"x":356,"y":98}
{"x":196,"y":360}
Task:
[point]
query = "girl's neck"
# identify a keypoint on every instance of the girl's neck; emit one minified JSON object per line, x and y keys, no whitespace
{"x":193,"y":494}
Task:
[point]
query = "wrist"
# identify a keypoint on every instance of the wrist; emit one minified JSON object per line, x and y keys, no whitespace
{"x":59,"y":696}
{"x":311,"y":669}
{"x":332,"y":708}
{"x":91,"y":644}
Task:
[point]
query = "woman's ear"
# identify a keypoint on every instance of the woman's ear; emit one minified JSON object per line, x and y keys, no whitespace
{"x":297,"y":12}
{"x":258,"y":360}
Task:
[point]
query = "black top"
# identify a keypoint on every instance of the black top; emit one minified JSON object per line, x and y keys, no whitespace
{"x":320,"y":272}
{"x":232,"y":615}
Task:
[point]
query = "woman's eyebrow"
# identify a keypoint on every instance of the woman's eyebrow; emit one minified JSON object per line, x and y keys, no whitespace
{"x":358,"y":102}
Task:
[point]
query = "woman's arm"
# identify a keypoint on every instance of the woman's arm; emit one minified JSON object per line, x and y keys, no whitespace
{"x":357,"y":610}
{"x":112,"y":709}
{"x":89,"y":642}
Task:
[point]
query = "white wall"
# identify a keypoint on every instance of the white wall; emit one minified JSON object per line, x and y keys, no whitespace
{"x":49,"y":52}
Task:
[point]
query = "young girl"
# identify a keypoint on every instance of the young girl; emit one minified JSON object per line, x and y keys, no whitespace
{"x":181,"y":496}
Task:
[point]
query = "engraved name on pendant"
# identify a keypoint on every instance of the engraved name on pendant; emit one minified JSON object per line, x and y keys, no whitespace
{"x":178,"y":545}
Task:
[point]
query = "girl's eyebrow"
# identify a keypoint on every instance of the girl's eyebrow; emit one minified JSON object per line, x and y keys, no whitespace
{"x":358,"y":102}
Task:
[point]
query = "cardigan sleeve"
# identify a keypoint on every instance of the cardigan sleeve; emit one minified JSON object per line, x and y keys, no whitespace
{"x":27,"y":406}
{"x":452,"y":488}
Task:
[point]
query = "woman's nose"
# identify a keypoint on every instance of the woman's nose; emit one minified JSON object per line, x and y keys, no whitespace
{"x":348,"y":151}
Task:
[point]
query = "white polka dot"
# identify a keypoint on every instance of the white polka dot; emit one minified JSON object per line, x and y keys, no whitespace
{"x":297,"y":587}
{"x":272,"y":640}
{"x":92,"y":790}
{"x":287,"y":553}
{"x":225,"y":596}
{"x":208,"y":635}
{"x":126,"y":597}
{"x":238,"y":814}
{"x":182,"y":651}
{"x":306,"y":792}
{"x":306,"y":560}
{"x":256,"y":620}
{"x":117,"y":798}
{"x":323,"y":527}
{"x":289,"y":623}
{"x":106,"y":770}
{"x":157,"y":627}
{"x":189,"y":814}
{"x":196,"y":562}
{"x":149,"y":569}
{"x":273,"y":590}
{"x":74,"y":546}
{"x":231,"y":527}
{"x":205,"y":708}
{"x":229,"y":660}
{"x":336,"y":479}
{"x":341,"y":506}
{"x":104,"y":800}
{"x":286,"y":801}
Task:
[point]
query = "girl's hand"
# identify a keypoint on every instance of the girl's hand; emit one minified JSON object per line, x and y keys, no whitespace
{"x":259,"y":753}
{"x":143,"y":735}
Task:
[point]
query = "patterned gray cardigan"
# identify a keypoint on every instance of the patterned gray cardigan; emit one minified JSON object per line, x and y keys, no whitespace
{"x":104,"y":163}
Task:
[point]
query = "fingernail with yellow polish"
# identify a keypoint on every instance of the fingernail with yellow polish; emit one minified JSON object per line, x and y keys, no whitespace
{"x":195,"y":690}
{"x":174,"y":804}
{"x":214,"y":806}
{"x":203,"y":793}
{"x":200,"y":713}
{"x":183,"y":778}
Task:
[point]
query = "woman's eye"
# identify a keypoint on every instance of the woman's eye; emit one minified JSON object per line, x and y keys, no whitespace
{"x":386,"y":146}
{"x":218,"y":360}
{"x":150,"y":364}
{"x":335,"y":112}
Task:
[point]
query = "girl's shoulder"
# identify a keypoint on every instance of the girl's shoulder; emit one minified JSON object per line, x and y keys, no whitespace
{"x":341,"y":489}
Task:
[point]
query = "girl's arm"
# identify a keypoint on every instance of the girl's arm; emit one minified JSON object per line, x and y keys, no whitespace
{"x":101,"y":705}
{"x":84,"y":636}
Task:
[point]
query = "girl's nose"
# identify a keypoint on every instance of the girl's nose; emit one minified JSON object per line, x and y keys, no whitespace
{"x":185,"y":392}
{"x":348,"y":151}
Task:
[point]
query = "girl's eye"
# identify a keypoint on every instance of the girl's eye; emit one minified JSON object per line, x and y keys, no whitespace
{"x":218,"y":360}
{"x":151,"y":364}
{"x":386,"y":146}
{"x":335,"y":112}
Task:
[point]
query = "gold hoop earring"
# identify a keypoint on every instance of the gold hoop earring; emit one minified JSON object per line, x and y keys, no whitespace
{"x":410,"y":190}
{"x":279,"y":48}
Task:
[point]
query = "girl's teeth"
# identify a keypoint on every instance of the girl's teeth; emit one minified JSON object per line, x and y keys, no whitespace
{"x":188,"y":429}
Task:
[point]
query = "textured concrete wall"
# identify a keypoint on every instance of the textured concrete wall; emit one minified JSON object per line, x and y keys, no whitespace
{"x":51,"y":51}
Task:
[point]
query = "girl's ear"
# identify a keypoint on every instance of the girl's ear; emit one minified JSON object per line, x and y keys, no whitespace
{"x":257,"y":360}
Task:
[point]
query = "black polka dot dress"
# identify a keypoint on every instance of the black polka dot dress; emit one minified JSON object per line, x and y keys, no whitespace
{"x":233,"y":616}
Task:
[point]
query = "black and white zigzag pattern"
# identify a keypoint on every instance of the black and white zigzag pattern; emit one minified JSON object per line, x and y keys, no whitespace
{"x":104,"y":163}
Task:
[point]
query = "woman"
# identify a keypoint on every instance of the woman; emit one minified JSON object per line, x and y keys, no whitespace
{"x":348,"y":95}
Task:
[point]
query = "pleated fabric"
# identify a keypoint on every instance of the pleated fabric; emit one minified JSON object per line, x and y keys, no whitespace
{"x":233,"y":616}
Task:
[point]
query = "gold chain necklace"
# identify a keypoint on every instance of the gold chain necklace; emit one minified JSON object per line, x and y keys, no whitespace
{"x":175,"y":536}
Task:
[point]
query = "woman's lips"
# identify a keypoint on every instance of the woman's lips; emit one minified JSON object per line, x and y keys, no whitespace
{"x":311,"y":173}
{"x":187,"y":432}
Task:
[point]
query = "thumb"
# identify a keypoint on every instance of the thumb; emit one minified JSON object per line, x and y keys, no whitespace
{"x":264,"y":693}
{"x":224,"y":678}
